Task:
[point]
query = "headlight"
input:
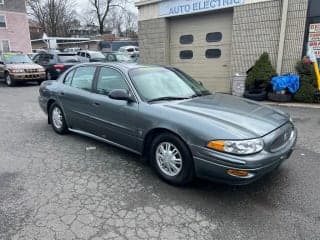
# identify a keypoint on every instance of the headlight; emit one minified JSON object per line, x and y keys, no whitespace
{"x":16,"y":70}
{"x":242,"y":147}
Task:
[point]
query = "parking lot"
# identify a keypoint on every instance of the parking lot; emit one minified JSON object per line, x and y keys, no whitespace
{"x":72,"y":187}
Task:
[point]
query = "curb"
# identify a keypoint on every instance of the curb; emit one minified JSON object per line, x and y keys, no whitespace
{"x":296,"y":105}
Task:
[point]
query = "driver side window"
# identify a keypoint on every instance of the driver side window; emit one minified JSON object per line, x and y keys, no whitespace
{"x":110,"y":79}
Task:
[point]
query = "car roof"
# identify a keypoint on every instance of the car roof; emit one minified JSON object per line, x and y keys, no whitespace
{"x":125,"y":66}
{"x":125,"y":47}
{"x":88,"y":51}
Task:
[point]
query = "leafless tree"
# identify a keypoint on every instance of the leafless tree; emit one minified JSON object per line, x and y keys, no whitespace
{"x":103,"y":8}
{"x":131,"y":22}
{"x":55,"y":17}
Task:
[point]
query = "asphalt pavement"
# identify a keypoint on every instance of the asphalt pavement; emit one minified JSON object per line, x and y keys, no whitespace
{"x":72,"y":187}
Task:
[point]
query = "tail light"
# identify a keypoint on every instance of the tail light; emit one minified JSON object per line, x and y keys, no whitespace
{"x":59,"y":67}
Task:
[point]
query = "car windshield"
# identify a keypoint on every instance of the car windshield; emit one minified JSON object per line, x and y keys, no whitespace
{"x":19,"y":58}
{"x":157,"y":83}
{"x":68,"y":59}
{"x":96,"y":55}
{"x":122,"y":57}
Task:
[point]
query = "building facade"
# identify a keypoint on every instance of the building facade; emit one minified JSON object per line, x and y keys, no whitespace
{"x":214,"y":40}
{"x":14,"y":27}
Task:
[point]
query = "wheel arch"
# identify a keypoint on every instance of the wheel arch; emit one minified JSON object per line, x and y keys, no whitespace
{"x":151,"y":134}
{"x":49,"y":104}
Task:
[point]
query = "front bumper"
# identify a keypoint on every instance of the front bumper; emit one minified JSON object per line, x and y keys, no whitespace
{"x":21,"y":77}
{"x":214,"y":165}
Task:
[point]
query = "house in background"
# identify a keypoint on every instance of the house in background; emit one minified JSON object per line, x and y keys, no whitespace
{"x":14,"y":26}
{"x":36,"y":31}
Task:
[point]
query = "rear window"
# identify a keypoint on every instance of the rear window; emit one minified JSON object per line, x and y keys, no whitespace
{"x":68,"y":58}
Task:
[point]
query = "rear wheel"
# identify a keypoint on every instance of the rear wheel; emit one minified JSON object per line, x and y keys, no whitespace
{"x":57,"y":119}
{"x":171,"y":159}
{"x":9,"y":81}
{"x":48,"y":76}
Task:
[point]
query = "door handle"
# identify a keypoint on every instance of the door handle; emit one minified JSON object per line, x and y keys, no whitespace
{"x":61,"y":93}
{"x":96,"y":104}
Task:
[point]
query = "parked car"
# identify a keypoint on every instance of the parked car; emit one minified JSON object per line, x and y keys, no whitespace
{"x":72,"y":50}
{"x":163,"y":114}
{"x":132,"y":51}
{"x":17,"y":67}
{"x":56,"y":63}
{"x":117,"y":57}
{"x":91,"y":56}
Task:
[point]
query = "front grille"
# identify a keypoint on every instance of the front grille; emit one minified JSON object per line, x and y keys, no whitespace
{"x":31,"y":70}
{"x":33,"y":76}
{"x":282,"y":139}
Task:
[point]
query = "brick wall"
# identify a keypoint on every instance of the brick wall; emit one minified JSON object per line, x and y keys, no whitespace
{"x":17,"y":31}
{"x":256,"y":29}
{"x":14,"y":6}
{"x":296,"y":20}
{"x":154,"y":41}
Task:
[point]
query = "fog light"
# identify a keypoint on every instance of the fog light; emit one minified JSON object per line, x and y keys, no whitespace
{"x":238,"y":173}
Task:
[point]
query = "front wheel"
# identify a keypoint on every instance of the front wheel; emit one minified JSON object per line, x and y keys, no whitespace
{"x":171,"y":159}
{"x":57,"y":119}
{"x":9,"y":80}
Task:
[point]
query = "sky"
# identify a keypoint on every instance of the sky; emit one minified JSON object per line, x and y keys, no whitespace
{"x":83,"y":4}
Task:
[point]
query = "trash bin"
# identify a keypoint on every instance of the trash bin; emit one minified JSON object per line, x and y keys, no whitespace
{"x":238,"y":84}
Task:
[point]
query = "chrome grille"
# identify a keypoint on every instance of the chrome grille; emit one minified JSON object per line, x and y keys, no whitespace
{"x":283,"y":138}
{"x":31,"y":70}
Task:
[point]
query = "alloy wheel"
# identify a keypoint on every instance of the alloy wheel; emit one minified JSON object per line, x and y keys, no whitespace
{"x":8,"y":80}
{"x":57,"y":118}
{"x":169,"y":159}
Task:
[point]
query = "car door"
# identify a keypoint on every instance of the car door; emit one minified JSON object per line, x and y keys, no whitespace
{"x":77,"y":100}
{"x":115,"y":119}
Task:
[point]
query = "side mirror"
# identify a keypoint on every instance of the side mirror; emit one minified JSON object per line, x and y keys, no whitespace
{"x":200,"y":83}
{"x":1,"y":63}
{"x":121,"y":94}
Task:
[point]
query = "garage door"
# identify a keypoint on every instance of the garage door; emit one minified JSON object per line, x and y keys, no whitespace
{"x":201,"y":46}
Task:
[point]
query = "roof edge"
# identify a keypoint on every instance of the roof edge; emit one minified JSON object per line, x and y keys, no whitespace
{"x":146,"y":2}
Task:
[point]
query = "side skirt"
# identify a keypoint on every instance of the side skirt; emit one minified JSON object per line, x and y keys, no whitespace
{"x":104,"y":140}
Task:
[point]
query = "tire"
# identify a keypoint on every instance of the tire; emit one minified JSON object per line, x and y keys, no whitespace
{"x":48,"y":76}
{"x":158,"y":151}
{"x":8,"y":80}
{"x":59,"y":126}
{"x":279,"y":97}
{"x":257,"y":96}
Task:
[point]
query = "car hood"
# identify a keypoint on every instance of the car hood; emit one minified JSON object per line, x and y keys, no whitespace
{"x":24,"y":66}
{"x":246,"y":117}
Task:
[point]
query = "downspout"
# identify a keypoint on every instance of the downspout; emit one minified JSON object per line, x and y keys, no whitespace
{"x":285,"y":4}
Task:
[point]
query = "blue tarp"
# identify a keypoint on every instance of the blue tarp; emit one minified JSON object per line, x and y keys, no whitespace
{"x":289,"y":81}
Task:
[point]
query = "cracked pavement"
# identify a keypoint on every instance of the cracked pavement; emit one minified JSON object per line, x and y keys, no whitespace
{"x":73,"y":187}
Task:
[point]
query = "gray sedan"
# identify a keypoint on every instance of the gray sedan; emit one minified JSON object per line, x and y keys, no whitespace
{"x":171,"y":120}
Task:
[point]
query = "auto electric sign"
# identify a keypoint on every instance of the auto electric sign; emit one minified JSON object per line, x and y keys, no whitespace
{"x":182,"y":7}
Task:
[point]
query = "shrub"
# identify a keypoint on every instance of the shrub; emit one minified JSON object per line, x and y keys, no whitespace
{"x":262,"y":71}
{"x":308,"y":83}
{"x":306,"y":72}
{"x":306,"y":93}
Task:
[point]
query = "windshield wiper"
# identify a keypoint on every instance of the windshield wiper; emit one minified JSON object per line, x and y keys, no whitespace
{"x":167,"y":99}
